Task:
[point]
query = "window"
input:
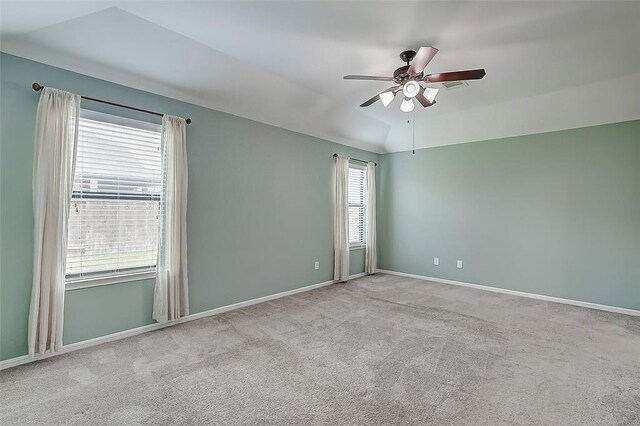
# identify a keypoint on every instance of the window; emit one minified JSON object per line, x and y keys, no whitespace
{"x":357,"y":204}
{"x":113,"y":220}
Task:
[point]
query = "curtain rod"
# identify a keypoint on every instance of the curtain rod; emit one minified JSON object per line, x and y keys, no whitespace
{"x":37,"y":87}
{"x":335,"y":154}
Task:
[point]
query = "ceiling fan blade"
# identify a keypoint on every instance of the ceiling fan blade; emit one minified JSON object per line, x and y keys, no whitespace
{"x":367,"y":77}
{"x":393,"y":89}
{"x":455,"y":76}
{"x":422,"y":58}
{"x":370,"y":101}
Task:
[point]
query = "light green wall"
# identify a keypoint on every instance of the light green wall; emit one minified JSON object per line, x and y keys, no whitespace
{"x":98,"y":311}
{"x":259,"y":211}
{"x":555,"y":214}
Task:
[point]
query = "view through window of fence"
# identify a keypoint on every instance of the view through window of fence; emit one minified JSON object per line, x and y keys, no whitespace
{"x":113,"y":220}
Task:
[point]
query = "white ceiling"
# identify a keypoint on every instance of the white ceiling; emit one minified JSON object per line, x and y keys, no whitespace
{"x":550,"y":65}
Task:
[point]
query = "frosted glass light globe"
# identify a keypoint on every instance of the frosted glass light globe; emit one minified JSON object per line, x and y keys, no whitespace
{"x":411,"y":89}
{"x":407,"y":105}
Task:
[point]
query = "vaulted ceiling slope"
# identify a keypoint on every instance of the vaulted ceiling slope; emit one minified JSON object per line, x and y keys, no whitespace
{"x":550,"y":65}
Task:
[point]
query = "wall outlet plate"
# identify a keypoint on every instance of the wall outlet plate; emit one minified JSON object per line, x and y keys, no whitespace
{"x":316,"y":265}
{"x":459,"y":264}
{"x":436,"y":261}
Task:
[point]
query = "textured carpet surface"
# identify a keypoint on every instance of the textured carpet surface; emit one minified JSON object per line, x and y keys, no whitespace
{"x":379,"y":350}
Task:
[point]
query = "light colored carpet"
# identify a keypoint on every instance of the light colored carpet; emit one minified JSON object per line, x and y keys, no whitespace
{"x":378,"y":350}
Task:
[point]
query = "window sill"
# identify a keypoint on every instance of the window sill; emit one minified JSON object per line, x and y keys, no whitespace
{"x":357,"y":247}
{"x":96,"y":282}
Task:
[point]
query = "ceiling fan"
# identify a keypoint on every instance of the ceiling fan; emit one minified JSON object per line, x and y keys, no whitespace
{"x":408,"y":79}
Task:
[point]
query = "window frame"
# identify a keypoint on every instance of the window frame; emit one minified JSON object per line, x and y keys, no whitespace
{"x":108,"y":280}
{"x":360,"y":244}
{"x":109,"y":277}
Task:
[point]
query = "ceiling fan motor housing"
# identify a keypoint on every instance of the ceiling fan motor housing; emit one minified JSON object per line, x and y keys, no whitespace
{"x":401,"y":73}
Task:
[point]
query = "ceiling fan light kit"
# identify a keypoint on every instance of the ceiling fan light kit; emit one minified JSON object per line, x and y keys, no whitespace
{"x":412,"y":80}
{"x":387,"y":97}
{"x":430,"y":94}
{"x":407,"y":105}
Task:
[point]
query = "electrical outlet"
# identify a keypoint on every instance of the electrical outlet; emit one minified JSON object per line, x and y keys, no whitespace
{"x":436,"y":261}
{"x":459,"y":264}
{"x":316,"y":265}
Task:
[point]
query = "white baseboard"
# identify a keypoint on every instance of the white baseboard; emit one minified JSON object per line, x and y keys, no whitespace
{"x":590,"y":305}
{"x":13,"y":362}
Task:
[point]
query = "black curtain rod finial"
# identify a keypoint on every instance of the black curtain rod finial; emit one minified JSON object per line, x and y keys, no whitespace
{"x":335,"y":155}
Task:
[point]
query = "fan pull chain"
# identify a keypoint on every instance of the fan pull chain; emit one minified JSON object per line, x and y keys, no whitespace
{"x":414,"y":137}
{"x":413,"y":130}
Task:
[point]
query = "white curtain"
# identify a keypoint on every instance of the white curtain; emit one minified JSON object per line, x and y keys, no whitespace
{"x":341,"y":221}
{"x":371,"y":255}
{"x":56,"y":144}
{"x":171,"y":295}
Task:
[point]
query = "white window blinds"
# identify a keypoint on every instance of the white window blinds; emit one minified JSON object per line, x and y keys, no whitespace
{"x":357,"y":203}
{"x":113,"y":220}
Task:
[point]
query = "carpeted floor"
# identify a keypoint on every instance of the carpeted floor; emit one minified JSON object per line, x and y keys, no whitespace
{"x":379,"y":350}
